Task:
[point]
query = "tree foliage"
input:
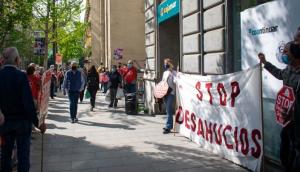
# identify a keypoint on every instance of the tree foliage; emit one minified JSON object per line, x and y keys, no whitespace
{"x":15,"y":17}
{"x":71,"y":41}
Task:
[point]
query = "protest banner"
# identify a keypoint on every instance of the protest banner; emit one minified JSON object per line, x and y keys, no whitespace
{"x":44,"y":95}
{"x":223,"y":114}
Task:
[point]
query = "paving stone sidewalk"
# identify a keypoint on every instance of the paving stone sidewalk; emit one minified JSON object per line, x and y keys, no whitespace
{"x":108,"y":140}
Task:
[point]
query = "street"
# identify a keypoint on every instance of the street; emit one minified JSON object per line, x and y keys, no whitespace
{"x":108,"y":140}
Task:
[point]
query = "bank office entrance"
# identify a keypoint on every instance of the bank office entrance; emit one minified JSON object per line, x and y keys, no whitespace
{"x":168,"y":34}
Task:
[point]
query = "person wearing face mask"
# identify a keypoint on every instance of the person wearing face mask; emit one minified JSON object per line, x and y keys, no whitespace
{"x":93,"y":85}
{"x":73,"y":84}
{"x":114,"y":83}
{"x":290,"y":134}
{"x":130,"y":77}
{"x":169,"y":76}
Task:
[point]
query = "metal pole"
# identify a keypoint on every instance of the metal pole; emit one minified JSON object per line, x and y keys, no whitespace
{"x":262,"y":118}
{"x":42,"y":154}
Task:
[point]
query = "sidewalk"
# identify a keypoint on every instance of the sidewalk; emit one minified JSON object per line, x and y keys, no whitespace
{"x":108,"y":140}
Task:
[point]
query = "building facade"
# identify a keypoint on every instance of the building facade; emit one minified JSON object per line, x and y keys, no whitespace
{"x":202,"y":37}
{"x":117,"y":25}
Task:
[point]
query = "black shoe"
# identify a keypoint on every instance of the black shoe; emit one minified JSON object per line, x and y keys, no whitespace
{"x":115,"y":106}
{"x":110,"y":106}
{"x":166,"y":131}
{"x":72,"y":121}
{"x":92,"y":109}
{"x":76,"y":120}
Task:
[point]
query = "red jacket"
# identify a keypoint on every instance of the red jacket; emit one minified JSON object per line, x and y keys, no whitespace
{"x":130,"y":75}
{"x":35,"y":85}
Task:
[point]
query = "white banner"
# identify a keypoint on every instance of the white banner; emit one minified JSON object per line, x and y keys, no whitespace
{"x":223,"y":114}
{"x":44,"y":95}
{"x":267,"y":28}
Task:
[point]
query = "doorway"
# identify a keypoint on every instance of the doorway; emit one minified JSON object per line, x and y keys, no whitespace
{"x":169,"y":43}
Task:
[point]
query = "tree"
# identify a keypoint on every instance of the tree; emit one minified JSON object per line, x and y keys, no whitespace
{"x":50,"y":15}
{"x":15,"y":16}
{"x":71,"y":41}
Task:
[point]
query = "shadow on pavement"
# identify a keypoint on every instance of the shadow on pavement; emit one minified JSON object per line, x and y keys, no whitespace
{"x":65,"y":153}
{"x":94,"y":124}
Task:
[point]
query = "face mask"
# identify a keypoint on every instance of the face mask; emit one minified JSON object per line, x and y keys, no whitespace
{"x":129,"y":65}
{"x":166,"y":66}
{"x":285,"y":59}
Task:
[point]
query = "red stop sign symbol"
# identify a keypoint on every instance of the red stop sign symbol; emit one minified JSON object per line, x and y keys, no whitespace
{"x":284,"y":105}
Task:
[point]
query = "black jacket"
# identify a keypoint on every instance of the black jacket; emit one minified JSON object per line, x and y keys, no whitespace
{"x":16,"y":102}
{"x":115,"y":80}
{"x":93,"y":81}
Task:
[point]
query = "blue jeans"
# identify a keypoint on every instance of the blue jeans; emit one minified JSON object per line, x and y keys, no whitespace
{"x":16,"y":132}
{"x":73,"y":97}
{"x":169,"y":100}
{"x":130,"y":88}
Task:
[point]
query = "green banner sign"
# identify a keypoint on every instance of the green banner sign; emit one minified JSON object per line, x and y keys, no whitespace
{"x":168,"y":9}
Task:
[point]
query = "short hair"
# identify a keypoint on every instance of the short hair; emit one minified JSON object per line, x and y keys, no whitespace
{"x":295,"y":50}
{"x":30,"y":70}
{"x":10,"y":55}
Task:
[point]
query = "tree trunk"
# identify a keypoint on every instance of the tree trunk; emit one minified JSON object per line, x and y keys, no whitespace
{"x":47,"y":35}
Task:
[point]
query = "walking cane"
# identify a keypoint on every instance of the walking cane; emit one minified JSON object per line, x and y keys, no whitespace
{"x":42,"y":153}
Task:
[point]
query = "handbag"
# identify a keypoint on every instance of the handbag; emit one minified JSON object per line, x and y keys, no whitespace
{"x":107,"y":96}
{"x":120,"y":93}
{"x":87,"y":94}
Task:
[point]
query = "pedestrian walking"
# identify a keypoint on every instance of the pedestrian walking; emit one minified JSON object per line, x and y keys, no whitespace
{"x":17,"y":106}
{"x":130,"y":78}
{"x":169,"y":99}
{"x":53,"y":82}
{"x":34,"y":83}
{"x":73,"y":84}
{"x":92,"y":85}
{"x":60,"y":78}
{"x":84,"y":75}
{"x":104,"y":79}
{"x":290,"y":133}
{"x":115,"y":81}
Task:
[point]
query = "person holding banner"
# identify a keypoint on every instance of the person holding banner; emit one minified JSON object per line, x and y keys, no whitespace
{"x":169,"y":76}
{"x":288,"y":105}
{"x":17,"y":106}
{"x":73,"y":84}
{"x":34,"y":83}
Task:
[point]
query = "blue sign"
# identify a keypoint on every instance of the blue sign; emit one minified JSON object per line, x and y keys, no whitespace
{"x":168,"y":9}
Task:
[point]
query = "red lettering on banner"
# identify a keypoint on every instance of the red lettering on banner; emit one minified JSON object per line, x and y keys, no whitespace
{"x":186,"y":119}
{"x":222,"y":94}
{"x":208,"y":130}
{"x":236,"y":139}
{"x":229,"y":128}
{"x":193,"y":119}
{"x":244,"y":141}
{"x":221,"y":134}
{"x":198,"y":88}
{"x":208,"y":87}
{"x":178,"y":115}
{"x":256,"y":135}
{"x":235,"y":91}
{"x":200,"y":128}
{"x":218,"y":135}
